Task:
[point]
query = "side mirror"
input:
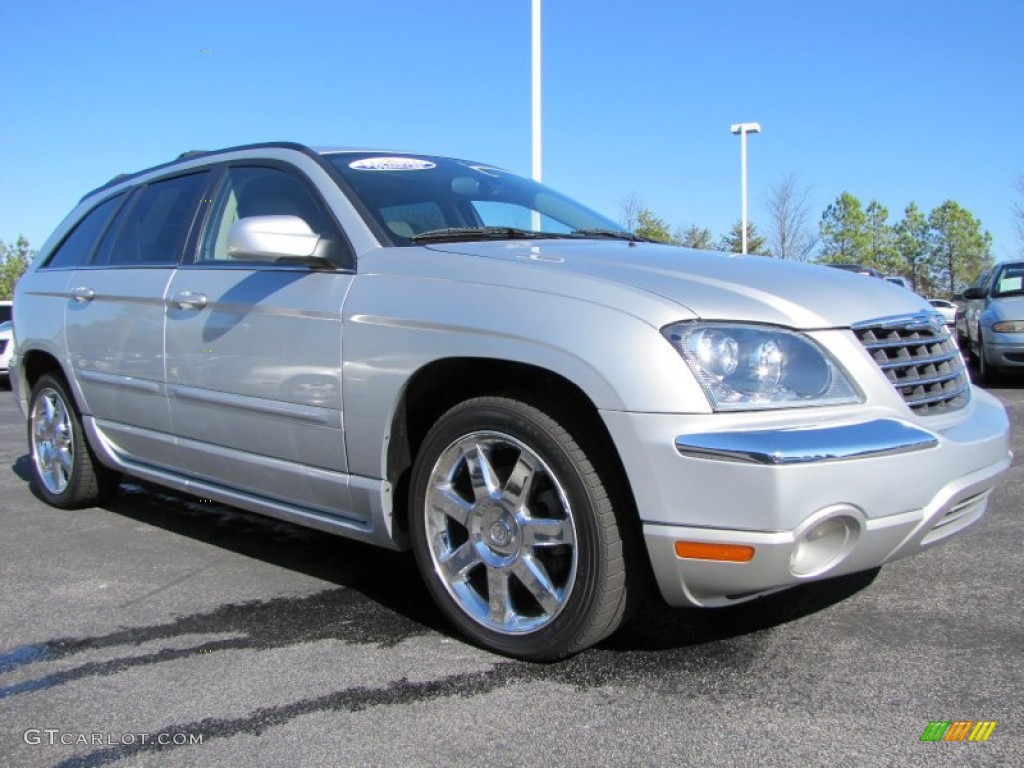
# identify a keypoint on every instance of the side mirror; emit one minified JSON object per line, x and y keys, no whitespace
{"x":272,"y":239}
{"x":974,"y":293}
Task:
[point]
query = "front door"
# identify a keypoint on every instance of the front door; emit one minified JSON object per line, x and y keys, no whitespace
{"x":254,"y":355}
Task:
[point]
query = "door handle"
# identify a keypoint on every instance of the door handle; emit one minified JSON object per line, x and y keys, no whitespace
{"x":188,"y":300}
{"x":83,"y":294}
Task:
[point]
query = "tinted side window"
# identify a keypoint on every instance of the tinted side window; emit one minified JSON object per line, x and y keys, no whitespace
{"x":258,"y":191}
{"x":157,"y":226}
{"x":76,"y":247}
{"x":106,"y":246}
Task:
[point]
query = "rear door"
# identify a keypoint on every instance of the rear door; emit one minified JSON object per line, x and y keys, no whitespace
{"x":115,"y":316}
{"x":254,"y":353}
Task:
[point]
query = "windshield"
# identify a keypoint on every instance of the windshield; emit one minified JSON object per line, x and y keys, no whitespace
{"x":420,"y":198}
{"x":1009,"y":281}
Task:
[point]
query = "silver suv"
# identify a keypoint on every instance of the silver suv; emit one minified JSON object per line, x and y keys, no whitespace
{"x":554,"y":414}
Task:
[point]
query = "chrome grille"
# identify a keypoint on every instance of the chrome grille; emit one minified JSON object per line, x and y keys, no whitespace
{"x":917,"y":354}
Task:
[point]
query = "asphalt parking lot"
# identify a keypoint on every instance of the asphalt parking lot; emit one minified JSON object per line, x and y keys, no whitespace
{"x":162,"y":630}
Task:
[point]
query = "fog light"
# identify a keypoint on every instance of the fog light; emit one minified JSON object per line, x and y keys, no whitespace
{"x":823,"y":545}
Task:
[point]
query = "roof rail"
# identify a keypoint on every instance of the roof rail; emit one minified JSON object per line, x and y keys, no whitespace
{"x":197,"y":153}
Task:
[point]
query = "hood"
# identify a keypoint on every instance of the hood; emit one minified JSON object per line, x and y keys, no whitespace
{"x":713,"y":286}
{"x":1006,"y":308}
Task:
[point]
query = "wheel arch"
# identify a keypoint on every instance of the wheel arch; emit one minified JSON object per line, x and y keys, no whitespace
{"x":36,"y":363}
{"x":444,"y":383}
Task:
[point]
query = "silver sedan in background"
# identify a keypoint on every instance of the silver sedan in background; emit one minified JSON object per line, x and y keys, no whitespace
{"x":994,"y":321}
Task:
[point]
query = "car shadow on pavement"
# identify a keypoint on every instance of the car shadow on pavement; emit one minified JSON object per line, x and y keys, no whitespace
{"x":387,"y":577}
{"x":22,"y":467}
{"x":392,"y":580}
{"x":1010,"y":380}
{"x":658,"y":627}
{"x":382,"y":599}
{"x":379,"y":600}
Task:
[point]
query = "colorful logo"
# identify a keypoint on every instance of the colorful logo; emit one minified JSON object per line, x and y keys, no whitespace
{"x":959,"y":730}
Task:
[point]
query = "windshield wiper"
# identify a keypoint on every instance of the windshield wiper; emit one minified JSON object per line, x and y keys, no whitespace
{"x":480,"y":233}
{"x":616,"y":234}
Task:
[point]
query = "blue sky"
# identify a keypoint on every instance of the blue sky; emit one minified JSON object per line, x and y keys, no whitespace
{"x":896,"y":100}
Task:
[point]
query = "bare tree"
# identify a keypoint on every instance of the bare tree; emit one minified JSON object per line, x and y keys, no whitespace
{"x":790,"y":235}
{"x":630,"y":207}
{"x":1018,"y":212}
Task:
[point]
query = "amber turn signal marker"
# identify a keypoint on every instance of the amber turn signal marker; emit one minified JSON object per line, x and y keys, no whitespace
{"x":699,"y":550}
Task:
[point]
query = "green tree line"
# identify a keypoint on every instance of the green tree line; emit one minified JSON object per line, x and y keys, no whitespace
{"x":648,"y":224}
{"x":14,"y":260}
{"x":941,"y":252}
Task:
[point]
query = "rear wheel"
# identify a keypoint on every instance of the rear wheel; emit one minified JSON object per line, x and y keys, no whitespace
{"x":64,"y":469}
{"x":514,"y":531}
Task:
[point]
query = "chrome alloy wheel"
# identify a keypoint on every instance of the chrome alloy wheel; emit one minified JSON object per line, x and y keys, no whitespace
{"x":52,"y":441}
{"x":500,"y":532}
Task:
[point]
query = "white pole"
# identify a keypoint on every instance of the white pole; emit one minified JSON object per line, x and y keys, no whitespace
{"x":536,"y":90}
{"x":742,"y":129}
{"x":743,"y":188}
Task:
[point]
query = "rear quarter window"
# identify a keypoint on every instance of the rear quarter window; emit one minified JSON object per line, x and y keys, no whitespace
{"x":77,"y":246}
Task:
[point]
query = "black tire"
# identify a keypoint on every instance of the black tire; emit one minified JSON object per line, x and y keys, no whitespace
{"x":65,"y":472}
{"x":502,"y":494}
{"x":970,"y":353}
{"x":963,"y":341}
{"x":987,"y":373}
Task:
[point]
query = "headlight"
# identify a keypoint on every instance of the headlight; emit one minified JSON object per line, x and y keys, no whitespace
{"x":1008,"y":326}
{"x":745,"y":367}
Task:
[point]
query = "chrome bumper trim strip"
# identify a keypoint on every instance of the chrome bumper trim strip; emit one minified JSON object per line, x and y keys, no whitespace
{"x":881,"y":437}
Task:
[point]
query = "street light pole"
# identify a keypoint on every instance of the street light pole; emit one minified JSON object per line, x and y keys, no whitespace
{"x":535,"y":60}
{"x":742,"y":129}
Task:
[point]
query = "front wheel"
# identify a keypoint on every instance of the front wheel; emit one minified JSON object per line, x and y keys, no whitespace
{"x":514,"y":531}
{"x":64,"y":469}
{"x":987,"y":373}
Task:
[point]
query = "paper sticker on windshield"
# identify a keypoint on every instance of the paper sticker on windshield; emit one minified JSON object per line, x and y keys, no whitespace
{"x":1008,"y":284}
{"x":391,"y":164}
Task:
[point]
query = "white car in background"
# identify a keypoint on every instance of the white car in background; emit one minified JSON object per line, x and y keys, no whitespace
{"x":947,"y":309}
{"x":6,"y":345}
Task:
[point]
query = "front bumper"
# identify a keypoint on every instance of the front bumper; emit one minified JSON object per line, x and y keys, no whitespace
{"x":813,"y":500}
{"x":1004,"y":350}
